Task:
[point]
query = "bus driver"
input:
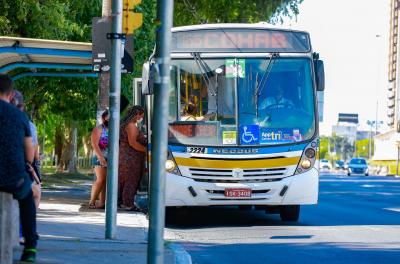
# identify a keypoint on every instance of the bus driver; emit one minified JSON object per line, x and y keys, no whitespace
{"x":277,"y":101}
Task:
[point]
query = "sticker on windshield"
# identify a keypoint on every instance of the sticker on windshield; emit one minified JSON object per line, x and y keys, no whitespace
{"x":297,"y":135}
{"x":279,"y":135}
{"x":249,"y":134}
{"x":235,"y":68}
{"x":228,"y":137}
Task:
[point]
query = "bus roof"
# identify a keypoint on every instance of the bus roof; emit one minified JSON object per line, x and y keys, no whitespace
{"x":260,"y":25}
{"x":260,"y":37}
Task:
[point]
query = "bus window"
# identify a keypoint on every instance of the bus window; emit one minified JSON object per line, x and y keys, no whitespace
{"x":279,"y":101}
{"x":203,"y":95}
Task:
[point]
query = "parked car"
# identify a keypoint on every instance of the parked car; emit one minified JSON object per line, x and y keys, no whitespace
{"x":340,"y":165}
{"x":324,"y":164}
{"x":357,"y":166}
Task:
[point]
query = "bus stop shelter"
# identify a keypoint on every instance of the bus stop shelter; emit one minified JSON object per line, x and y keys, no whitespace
{"x":40,"y":57}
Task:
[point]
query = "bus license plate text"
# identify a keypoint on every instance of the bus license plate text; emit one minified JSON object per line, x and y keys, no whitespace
{"x":239,"y":192}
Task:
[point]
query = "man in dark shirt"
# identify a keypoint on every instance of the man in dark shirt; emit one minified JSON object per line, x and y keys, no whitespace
{"x":15,"y":152}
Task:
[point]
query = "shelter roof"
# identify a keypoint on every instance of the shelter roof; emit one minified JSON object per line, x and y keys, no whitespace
{"x":30,"y":53}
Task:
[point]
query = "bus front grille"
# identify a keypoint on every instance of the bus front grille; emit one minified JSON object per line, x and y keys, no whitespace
{"x":237,"y":175}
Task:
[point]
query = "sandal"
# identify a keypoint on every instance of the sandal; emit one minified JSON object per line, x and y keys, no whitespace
{"x":131,"y":208}
{"x":92,"y":206}
{"x":101,"y":207}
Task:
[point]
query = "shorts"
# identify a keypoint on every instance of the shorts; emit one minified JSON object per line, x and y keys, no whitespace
{"x":96,"y":161}
{"x":22,"y":191}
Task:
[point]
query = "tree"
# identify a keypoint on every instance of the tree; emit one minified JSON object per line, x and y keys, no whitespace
{"x":237,"y":11}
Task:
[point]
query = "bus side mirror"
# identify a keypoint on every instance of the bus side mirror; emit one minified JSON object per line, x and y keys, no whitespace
{"x":147,"y":78}
{"x":320,"y":75}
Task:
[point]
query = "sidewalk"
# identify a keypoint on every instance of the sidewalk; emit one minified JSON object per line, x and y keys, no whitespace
{"x":70,"y":233}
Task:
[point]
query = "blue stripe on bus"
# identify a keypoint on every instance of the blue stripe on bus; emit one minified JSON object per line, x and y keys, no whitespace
{"x":239,"y":151}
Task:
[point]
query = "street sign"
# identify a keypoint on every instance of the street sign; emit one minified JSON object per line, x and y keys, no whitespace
{"x":130,"y":19}
{"x":348,"y":118}
{"x":101,"y":49}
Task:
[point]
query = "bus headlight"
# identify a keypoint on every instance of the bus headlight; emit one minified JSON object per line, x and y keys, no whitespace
{"x":170,"y":165}
{"x":306,"y":164}
{"x":308,"y":158}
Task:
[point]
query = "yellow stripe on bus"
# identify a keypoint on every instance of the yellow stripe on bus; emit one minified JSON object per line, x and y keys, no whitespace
{"x":232,"y":164}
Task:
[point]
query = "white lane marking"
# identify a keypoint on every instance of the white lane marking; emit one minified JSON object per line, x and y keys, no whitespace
{"x":393,"y":209}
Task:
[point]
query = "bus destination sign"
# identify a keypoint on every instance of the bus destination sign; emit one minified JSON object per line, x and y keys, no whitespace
{"x":240,"y":40}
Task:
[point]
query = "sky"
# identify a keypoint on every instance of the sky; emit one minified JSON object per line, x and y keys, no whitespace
{"x":352,"y":38}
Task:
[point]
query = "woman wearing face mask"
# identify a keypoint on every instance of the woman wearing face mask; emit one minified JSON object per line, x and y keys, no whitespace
{"x":99,"y":141}
{"x":132,"y":151}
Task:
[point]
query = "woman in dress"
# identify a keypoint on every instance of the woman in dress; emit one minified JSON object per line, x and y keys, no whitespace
{"x":99,"y":141}
{"x":132,"y":151}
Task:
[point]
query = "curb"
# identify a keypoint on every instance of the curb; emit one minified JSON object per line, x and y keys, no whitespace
{"x":181,"y":255}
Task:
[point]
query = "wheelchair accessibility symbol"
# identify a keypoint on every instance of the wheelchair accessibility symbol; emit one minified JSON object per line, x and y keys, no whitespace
{"x":249,"y":134}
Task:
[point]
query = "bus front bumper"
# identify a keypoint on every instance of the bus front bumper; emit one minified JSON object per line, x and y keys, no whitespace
{"x":300,"y":189}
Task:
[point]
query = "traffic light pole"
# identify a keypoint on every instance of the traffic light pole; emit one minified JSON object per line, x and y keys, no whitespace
{"x":155,"y":251}
{"x":115,"y":95}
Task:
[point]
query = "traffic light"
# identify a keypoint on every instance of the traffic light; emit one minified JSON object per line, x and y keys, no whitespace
{"x":130,"y":19}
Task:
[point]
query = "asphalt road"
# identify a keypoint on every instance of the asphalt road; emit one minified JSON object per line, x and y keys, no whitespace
{"x":357,"y":220}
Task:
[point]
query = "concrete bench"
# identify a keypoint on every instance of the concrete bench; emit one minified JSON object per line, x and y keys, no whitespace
{"x":9,"y":227}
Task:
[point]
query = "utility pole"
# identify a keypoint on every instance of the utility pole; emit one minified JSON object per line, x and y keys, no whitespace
{"x":159,"y":146}
{"x":104,"y":77}
{"x":116,"y":37}
{"x":370,"y":138}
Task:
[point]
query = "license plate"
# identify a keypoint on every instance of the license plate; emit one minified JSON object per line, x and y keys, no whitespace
{"x":237,"y":192}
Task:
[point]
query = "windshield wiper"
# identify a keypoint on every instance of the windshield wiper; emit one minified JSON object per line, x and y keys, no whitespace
{"x":205,"y":69}
{"x":264,"y":79}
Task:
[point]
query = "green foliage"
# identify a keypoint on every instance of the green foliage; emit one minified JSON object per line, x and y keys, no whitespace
{"x":323,"y":147}
{"x":48,"y":19}
{"x":335,"y":148}
{"x":236,"y":11}
{"x":362,"y":148}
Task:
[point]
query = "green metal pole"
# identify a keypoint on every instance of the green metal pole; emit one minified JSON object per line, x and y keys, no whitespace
{"x":113,"y":149}
{"x":155,"y":250}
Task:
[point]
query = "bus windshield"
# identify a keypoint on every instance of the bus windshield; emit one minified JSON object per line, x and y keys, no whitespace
{"x":241,"y":101}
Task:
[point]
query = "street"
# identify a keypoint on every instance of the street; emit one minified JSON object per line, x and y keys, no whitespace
{"x":357,"y":220}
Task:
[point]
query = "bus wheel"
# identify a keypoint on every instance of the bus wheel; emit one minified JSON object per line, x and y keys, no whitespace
{"x":290,"y":213}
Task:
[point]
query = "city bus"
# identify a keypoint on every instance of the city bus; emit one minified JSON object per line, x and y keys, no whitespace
{"x":243,"y":117}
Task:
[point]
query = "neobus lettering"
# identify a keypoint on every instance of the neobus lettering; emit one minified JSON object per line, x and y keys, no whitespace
{"x":235,"y":151}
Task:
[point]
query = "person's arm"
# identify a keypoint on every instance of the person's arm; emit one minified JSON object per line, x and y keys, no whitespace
{"x":36,"y":155}
{"x":95,"y":138}
{"x":28,"y":149}
{"x":28,"y":146}
{"x":133,"y":133}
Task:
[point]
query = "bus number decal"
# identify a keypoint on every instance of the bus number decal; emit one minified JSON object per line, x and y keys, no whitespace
{"x":196,"y":150}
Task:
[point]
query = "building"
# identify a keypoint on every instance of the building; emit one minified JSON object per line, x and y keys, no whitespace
{"x":393,"y":96}
{"x":346,"y":127}
{"x":386,"y":143}
{"x":346,"y":131}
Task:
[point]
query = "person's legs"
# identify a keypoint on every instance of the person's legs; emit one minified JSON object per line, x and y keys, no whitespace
{"x":98,"y":184}
{"x":128,"y":193}
{"x":27,"y":211}
{"x":103,"y":190}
